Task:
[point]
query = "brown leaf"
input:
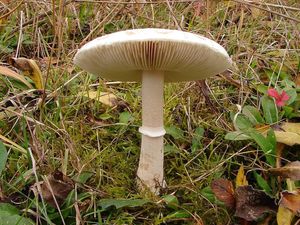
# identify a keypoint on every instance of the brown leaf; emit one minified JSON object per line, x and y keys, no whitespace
{"x":10,"y":73}
{"x":56,"y":186}
{"x":223,"y":190}
{"x":291,"y":201}
{"x":251,"y":203}
{"x":30,"y":69}
{"x":290,"y":170}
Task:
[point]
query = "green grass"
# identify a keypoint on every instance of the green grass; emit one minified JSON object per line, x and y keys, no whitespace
{"x":79,"y":136}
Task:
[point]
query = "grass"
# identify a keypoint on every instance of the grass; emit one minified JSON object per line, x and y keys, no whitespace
{"x":84,"y":138}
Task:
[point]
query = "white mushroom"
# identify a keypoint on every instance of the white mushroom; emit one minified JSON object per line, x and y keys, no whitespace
{"x":152,"y":56}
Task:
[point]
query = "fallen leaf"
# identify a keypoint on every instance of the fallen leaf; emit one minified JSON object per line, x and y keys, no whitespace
{"x":290,"y":170}
{"x":56,"y":186}
{"x":223,"y":190}
{"x":287,"y":138}
{"x":30,"y":69}
{"x":284,"y":216}
{"x":291,"y":201}
{"x":251,"y":203}
{"x":103,"y":97}
{"x":241,"y":179}
{"x":288,"y":133}
{"x":10,"y":73}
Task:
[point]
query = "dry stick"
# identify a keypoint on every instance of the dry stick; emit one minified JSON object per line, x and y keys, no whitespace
{"x":20,"y":34}
{"x":267,"y":10}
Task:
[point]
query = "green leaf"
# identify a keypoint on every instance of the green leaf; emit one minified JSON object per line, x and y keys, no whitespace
{"x":9,"y":215}
{"x":198,"y":135}
{"x":271,"y":139}
{"x":288,"y":111}
{"x":236,"y":136}
{"x":263,"y":183}
{"x":292,"y":93}
{"x":265,"y":145}
{"x":121,"y":203}
{"x":210,"y":196}
{"x":242,"y":122}
{"x":269,"y":109}
{"x":262,"y":88}
{"x":3,"y":156}
{"x":178,"y":215}
{"x":175,"y":132}
{"x":125,"y":117}
{"x":171,"y":201}
{"x":105,"y":116}
{"x":83,"y":177}
{"x":170,"y":149}
{"x":288,"y":83}
{"x":253,"y":115}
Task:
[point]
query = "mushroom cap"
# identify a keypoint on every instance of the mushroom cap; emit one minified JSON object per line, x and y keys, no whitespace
{"x":124,"y":55}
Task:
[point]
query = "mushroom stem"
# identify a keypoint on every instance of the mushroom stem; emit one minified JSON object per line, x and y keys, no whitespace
{"x":150,"y":172}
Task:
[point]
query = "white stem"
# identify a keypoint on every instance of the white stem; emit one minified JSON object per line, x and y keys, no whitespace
{"x":151,"y":172}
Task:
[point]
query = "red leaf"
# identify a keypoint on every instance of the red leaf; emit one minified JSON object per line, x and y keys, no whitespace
{"x":223,"y":190}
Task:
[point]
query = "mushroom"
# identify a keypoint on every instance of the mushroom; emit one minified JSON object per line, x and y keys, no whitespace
{"x":152,"y":56}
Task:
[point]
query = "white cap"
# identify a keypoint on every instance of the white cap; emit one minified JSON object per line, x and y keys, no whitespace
{"x":181,"y":55}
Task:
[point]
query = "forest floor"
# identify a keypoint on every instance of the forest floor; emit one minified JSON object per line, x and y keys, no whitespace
{"x":59,"y":137}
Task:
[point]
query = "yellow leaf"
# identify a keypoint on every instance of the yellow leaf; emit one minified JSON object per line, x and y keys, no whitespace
{"x":284,"y":216}
{"x":241,"y":179}
{"x":30,"y":69}
{"x":291,"y":127}
{"x":288,"y":134}
{"x":10,"y":73}
{"x":103,"y":97}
